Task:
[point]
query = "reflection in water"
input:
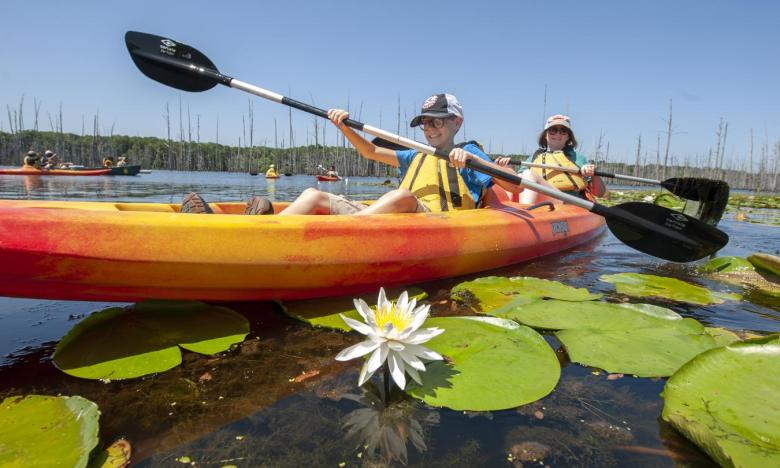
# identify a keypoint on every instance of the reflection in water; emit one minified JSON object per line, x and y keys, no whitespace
{"x":385,"y":429}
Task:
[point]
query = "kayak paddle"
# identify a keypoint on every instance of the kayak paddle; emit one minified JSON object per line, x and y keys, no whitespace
{"x":651,"y":229}
{"x":712,"y":195}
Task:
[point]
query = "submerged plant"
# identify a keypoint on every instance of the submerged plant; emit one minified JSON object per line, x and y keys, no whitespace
{"x":394,"y":336}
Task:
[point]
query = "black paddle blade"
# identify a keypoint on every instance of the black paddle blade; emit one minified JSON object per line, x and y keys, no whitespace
{"x":382,"y":143}
{"x":171,"y":63}
{"x":709,"y":197}
{"x":662,"y":232}
{"x":692,"y":188}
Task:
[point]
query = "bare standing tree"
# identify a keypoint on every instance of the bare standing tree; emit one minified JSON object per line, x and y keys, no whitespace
{"x":669,"y":130}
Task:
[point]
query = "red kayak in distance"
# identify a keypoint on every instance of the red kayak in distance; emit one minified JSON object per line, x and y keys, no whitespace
{"x":324,"y":178}
{"x":54,"y":172}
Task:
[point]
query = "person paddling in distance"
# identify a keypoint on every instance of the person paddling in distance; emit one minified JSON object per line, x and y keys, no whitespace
{"x":428,"y":184}
{"x":557,"y":147}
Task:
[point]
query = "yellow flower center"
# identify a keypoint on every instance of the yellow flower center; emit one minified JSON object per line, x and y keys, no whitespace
{"x":385,"y":315}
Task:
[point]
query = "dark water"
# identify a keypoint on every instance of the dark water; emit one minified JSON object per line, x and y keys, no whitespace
{"x":244,"y":408}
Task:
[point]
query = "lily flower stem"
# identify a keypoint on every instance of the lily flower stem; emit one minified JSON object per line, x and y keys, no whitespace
{"x":386,"y":377}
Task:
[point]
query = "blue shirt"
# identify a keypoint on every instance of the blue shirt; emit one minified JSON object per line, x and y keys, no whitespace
{"x":475,"y":181}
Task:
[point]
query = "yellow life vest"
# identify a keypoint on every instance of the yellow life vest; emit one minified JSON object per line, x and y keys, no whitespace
{"x":437,"y":185}
{"x":566,"y":181}
{"x":270,"y":173}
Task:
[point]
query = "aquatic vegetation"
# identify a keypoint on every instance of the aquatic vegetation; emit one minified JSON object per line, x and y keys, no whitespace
{"x":640,"y":285}
{"x":394,"y":335}
{"x":28,"y":436}
{"x":491,"y":292}
{"x":758,"y":280}
{"x":724,"y":401}
{"x":487,"y":367}
{"x":766,"y":262}
{"x":726,"y":265}
{"x":125,"y":343}
{"x":327,"y":312}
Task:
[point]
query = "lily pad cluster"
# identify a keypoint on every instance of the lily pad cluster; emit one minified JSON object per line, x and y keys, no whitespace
{"x":39,"y":430}
{"x":639,"y":339}
{"x":640,"y":285}
{"x":490,"y":363}
{"x":759,"y":273}
{"x":725,"y":401}
{"x":124,"y":343}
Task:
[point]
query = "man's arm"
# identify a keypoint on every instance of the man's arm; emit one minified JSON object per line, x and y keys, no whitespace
{"x":366,"y":149}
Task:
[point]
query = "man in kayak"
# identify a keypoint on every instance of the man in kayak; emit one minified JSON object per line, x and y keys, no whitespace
{"x":427,"y":182}
{"x":31,"y":161}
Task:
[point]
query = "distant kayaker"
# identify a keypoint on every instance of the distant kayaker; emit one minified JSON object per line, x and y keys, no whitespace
{"x":428,"y":184}
{"x":108,"y":161}
{"x":32,"y":160}
{"x":557,"y":147}
{"x":271,"y":172}
{"x":332,"y":172}
{"x":121,"y":161}
{"x":50,"y":160}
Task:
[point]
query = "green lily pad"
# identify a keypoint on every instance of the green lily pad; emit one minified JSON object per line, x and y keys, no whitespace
{"x":722,"y":336}
{"x":563,"y":315}
{"x":726,"y":265}
{"x":489,"y":367}
{"x":766,"y":262}
{"x":639,"y":339}
{"x":669,"y":200}
{"x":325,"y":312}
{"x":39,"y":430}
{"x":492,"y":292}
{"x":725,"y":402}
{"x":125,"y":343}
{"x":639,"y":285}
{"x":644,"y":352}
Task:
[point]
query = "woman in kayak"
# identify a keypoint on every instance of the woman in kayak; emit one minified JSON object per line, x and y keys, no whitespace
{"x":332,"y":172}
{"x":557,"y":145}
{"x":427,"y":182}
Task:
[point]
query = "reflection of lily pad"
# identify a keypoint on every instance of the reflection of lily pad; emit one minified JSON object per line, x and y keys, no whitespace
{"x":38,"y":430}
{"x":489,"y":368}
{"x":639,"y":285}
{"x":495,"y":291}
{"x":726,"y":265}
{"x":640,"y":339}
{"x":725,"y":402}
{"x":325,"y":312}
{"x":124,"y":343}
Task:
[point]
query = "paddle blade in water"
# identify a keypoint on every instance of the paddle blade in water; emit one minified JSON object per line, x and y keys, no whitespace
{"x":171,"y":63}
{"x":664,"y":233}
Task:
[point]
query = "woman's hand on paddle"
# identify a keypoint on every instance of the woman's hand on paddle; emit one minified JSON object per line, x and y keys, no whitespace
{"x":337,"y":116}
{"x":459,"y":157}
{"x":588,"y":170}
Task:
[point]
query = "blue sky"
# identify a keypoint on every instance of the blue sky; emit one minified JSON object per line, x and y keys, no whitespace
{"x":612,"y":66}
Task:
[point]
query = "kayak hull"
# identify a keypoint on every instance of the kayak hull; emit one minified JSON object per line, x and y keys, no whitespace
{"x":323,"y":178}
{"x":134,"y":251}
{"x":55,"y":172}
{"x":117,"y":170}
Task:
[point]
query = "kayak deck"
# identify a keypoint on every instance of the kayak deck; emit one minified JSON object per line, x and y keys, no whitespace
{"x":136,"y":251}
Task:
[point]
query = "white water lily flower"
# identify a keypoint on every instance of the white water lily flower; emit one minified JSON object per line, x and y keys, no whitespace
{"x":649,"y":198}
{"x":393,"y":336}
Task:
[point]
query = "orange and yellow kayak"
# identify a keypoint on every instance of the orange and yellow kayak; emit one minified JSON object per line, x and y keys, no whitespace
{"x":30,"y":171}
{"x":134,"y":251}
